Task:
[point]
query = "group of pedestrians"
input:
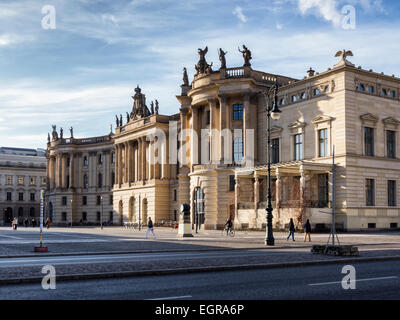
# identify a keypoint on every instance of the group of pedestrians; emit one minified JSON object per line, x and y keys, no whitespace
{"x":307,"y":230}
{"x":14,"y":223}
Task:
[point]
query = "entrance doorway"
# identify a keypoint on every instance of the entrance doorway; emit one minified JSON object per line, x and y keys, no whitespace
{"x":8,"y":215}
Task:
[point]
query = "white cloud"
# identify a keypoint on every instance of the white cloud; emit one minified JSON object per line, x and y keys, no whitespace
{"x":238,"y":12}
{"x":325,"y":8}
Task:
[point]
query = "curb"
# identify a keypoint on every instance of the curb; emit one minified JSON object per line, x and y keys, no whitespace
{"x":93,"y":253}
{"x":127,"y":274}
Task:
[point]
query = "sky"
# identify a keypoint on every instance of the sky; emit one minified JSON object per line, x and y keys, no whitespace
{"x":77,"y":63}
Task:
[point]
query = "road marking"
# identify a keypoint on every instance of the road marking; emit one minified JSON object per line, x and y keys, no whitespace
{"x":11,"y":237}
{"x":171,"y":298}
{"x":360,"y":280}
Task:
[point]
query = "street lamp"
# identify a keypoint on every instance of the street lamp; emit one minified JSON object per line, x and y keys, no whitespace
{"x":101,"y":214}
{"x":274,"y":113}
{"x":71,"y":213}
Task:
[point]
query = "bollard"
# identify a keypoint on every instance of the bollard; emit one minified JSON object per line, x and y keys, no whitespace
{"x":185,"y":230}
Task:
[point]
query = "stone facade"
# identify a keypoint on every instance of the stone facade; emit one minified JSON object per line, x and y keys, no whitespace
{"x":80,"y":178}
{"x":220,"y":139}
{"x":22,"y":176}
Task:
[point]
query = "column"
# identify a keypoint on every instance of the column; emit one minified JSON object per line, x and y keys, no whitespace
{"x":59,"y":171}
{"x":237,"y":199}
{"x":222,"y":126}
{"x":302,"y":196}
{"x":143,"y":158}
{"x":213,"y":138}
{"x":253,"y":222}
{"x":194,"y":138}
{"x":278,"y":193}
{"x":126,"y":162}
{"x":247,"y":143}
{"x":71,"y":171}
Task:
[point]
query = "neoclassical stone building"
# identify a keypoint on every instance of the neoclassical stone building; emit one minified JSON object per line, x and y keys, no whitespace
{"x":22,"y":176}
{"x":213,"y":153}
{"x":80,"y":177}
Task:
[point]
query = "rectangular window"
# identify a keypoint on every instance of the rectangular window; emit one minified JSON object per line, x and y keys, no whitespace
{"x":84,"y":200}
{"x":9,"y":180}
{"x":9,"y":196}
{"x":100,"y":158}
{"x":21,"y":196}
{"x":20,"y":180}
{"x":98,"y":202}
{"x":238,"y":150}
{"x":391,"y":144}
{"x":298,"y":147}
{"x":64,"y":216}
{"x":85,"y":161}
{"x":275,"y":150}
{"x":370,"y":192}
{"x":392,"y":193}
{"x":32,"y":197}
{"x":323,"y":190}
{"x":231,"y":183}
{"x":369,"y":141}
{"x":32,"y":181}
{"x":237,"y":112}
{"x":44,"y":180}
{"x":64,"y":201}
{"x":84,"y":216}
{"x":323,"y":143}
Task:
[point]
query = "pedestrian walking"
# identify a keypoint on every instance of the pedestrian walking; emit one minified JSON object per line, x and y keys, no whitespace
{"x":33,"y":222}
{"x":26,"y":222}
{"x":150,"y":228}
{"x":14,"y":223}
{"x":48,"y":223}
{"x":307,"y":231}
{"x":291,"y":229}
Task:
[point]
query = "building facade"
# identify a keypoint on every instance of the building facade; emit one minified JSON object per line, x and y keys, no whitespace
{"x":80,"y":178}
{"x":22,"y":176}
{"x":213,"y":153}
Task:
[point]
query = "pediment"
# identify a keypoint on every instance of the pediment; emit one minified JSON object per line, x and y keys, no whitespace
{"x":369,"y":117}
{"x":391,"y":120}
{"x":321,"y":118}
{"x":297,"y":124}
{"x":276,"y":129}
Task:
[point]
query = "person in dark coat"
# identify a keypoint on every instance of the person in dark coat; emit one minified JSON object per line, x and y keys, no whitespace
{"x":307,"y":231}
{"x":291,"y":229}
{"x":150,"y":228}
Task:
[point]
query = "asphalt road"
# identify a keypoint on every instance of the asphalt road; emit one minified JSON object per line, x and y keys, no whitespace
{"x":375,"y":280}
{"x":168,"y":256}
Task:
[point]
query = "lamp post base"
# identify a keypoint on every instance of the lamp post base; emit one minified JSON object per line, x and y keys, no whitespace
{"x":269,"y":242}
{"x":41,"y":249}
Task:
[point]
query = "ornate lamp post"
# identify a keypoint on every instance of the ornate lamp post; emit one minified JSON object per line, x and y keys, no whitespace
{"x":274,"y":113}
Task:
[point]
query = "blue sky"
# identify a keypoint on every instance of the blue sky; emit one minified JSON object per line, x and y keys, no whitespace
{"x":84,"y":72}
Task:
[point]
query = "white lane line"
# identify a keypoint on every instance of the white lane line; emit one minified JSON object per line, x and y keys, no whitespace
{"x":360,"y":280}
{"x":171,"y":298}
{"x":1,"y":235}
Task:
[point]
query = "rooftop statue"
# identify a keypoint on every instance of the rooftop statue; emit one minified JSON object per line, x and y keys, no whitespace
{"x":116,"y":121}
{"x":127,"y":117}
{"x":157,"y":108}
{"x":54,"y":133}
{"x":222,"y":58}
{"x":139,"y":109}
{"x":61,"y":133}
{"x":202,"y":66}
{"x":246,"y":56}
{"x":344,"y":54}
{"x":152,"y":107}
{"x":185,"y":77}
{"x":71,"y":130}
{"x":120,"y":120}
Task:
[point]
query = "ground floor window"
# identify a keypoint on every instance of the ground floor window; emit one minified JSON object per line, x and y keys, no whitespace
{"x":370,"y":192}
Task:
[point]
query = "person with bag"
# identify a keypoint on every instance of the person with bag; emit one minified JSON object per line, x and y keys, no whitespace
{"x":291,"y":229}
{"x":307,"y":231}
